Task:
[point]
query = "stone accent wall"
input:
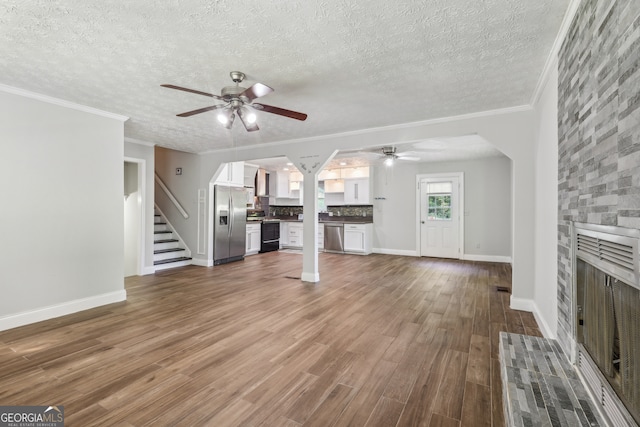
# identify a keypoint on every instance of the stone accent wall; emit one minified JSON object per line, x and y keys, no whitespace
{"x":598,"y":130}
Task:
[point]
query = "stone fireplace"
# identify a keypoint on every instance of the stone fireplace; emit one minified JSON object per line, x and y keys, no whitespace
{"x":606,"y":289}
{"x":598,"y":185}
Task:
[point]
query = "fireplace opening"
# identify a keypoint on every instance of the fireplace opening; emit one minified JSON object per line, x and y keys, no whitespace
{"x":608,"y":329}
{"x":607,"y":318}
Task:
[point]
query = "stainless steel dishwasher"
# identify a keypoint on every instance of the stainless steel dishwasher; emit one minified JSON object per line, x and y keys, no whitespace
{"x":334,"y":237}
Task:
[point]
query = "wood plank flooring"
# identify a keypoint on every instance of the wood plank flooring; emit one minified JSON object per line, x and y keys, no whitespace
{"x":380,"y":341}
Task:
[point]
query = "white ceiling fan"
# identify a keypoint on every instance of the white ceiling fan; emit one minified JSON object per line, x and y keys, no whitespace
{"x":390,"y":154}
{"x":238,"y":100}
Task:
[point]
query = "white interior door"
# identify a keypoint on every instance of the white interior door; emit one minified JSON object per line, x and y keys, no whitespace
{"x":440,"y":217}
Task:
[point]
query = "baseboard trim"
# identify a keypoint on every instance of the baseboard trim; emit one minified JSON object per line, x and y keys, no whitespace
{"x":58,"y":310}
{"x":487,"y":258}
{"x":148,"y":270}
{"x":524,"y":304}
{"x":310,"y":277}
{"x":202,"y":262}
{"x":542,"y":323}
{"x":400,"y":252}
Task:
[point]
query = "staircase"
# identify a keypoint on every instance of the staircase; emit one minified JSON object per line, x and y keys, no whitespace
{"x":168,"y":250}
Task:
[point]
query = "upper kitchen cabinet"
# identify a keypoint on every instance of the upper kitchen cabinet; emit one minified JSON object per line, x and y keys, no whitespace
{"x":327,"y":174}
{"x":232,"y":174}
{"x":359,"y":172}
{"x":356,"y":191}
{"x":334,"y":185}
{"x":279,"y":185}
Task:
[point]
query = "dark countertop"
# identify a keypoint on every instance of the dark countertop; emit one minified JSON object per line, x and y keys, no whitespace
{"x":342,"y":219}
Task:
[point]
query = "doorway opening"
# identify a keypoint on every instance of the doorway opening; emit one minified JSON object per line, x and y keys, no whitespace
{"x":440,"y":206}
{"x":134,"y":218}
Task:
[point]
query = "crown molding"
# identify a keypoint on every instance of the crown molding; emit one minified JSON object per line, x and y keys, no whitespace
{"x":61,"y":102}
{"x":139,"y":141}
{"x":552,"y":58}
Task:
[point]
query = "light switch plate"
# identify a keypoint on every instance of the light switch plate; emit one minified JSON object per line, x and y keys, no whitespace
{"x":178,"y":171}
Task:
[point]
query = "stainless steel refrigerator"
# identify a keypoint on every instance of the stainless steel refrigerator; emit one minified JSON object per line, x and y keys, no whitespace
{"x":230,"y":220}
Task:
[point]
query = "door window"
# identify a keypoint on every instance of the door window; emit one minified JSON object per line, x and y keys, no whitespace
{"x":439,"y":201}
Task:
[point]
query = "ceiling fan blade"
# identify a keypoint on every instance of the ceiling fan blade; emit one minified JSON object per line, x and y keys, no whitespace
{"x":201,"y":110}
{"x":192,"y":91}
{"x":410,"y":158}
{"x":280,"y":111}
{"x":256,"y":91}
{"x":250,"y":127}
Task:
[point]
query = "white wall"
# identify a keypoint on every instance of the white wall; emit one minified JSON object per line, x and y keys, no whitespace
{"x":61,"y":184}
{"x":487,"y":202}
{"x":546,"y":207}
{"x":132,"y":218}
{"x":144,"y":156}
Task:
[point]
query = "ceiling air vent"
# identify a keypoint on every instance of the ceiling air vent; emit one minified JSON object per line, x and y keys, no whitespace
{"x":614,"y":250}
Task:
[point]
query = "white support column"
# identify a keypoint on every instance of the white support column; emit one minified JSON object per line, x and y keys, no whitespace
{"x":310,"y":166}
{"x":310,"y":271}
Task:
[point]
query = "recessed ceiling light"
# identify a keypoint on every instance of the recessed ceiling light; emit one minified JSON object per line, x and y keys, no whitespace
{"x":289,"y":164}
{"x":285,"y":169}
{"x":343,"y":163}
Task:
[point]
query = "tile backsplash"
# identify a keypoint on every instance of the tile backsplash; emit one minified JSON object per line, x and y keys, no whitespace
{"x":351,"y":210}
{"x":345,"y":210}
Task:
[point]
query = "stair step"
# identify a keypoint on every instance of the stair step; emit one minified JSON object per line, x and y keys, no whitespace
{"x":166,"y":241}
{"x":164,"y":251}
{"x":162,"y":231}
{"x":170,"y":260}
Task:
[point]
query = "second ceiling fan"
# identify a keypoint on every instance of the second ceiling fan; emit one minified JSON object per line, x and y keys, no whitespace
{"x":239,"y":101}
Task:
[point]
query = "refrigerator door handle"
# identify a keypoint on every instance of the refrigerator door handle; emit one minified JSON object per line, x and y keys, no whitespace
{"x":232,"y":213}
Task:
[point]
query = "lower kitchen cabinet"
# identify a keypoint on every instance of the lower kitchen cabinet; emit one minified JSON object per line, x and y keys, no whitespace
{"x":292,"y":236}
{"x":295,"y":235}
{"x":321,"y":237}
{"x":358,"y":238}
{"x":253,"y":239}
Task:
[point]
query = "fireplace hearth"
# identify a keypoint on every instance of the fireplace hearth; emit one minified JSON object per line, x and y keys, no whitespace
{"x":607,"y":317}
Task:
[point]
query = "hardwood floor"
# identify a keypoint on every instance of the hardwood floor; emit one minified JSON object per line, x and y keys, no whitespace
{"x":379,"y":341}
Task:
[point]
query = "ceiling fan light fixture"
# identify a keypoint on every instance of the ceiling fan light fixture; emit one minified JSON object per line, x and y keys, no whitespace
{"x":388,"y":161}
{"x":232,"y":117}
{"x":250,"y":116}
{"x":223,"y":117}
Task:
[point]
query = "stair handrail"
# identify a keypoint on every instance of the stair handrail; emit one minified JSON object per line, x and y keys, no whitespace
{"x":171,"y":197}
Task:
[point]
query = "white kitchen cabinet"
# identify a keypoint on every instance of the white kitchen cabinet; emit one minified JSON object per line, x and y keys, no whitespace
{"x":334,"y":186}
{"x":321,"y":236}
{"x":279,"y":185}
{"x":357,"y":172}
{"x":253,"y":239}
{"x":295,"y":235}
{"x":356,"y":191}
{"x":295,"y":176}
{"x":326,"y":174}
{"x":358,"y":238}
{"x":232,"y":174}
{"x":292,"y":236}
{"x":284,"y":234}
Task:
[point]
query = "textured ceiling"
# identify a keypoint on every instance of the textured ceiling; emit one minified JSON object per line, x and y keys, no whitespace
{"x":459,"y":148}
{"x":348,"y":65}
